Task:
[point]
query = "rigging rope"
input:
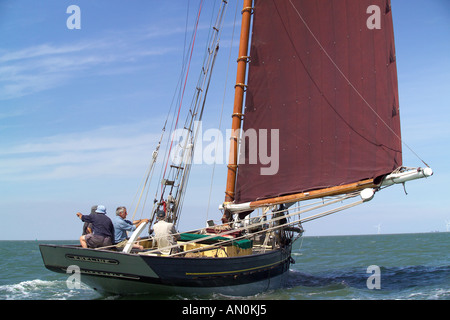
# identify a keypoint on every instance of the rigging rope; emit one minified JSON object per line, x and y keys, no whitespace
{"x":335,"y":210}
{"x":184,"y":87}
{"x":175,"y":177}
{"x":310,"y":207}
{"x":221,"y":112}
{"x":149,"y":174}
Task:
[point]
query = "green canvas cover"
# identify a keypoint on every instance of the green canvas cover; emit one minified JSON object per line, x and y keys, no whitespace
{"x":242,"y":244}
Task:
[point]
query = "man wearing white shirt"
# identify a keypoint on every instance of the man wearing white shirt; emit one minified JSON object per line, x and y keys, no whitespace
{"x":165,"y":234}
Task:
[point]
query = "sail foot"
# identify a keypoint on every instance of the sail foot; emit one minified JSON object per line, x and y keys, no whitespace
{"x":302,"y":196}
{"x":400,"y":175}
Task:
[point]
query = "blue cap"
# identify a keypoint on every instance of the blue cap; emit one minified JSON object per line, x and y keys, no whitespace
{"x":160,"y":214}
{"x":101,"y":209}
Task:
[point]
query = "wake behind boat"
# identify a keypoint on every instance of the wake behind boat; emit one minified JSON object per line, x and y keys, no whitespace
{"x":320,"y":133}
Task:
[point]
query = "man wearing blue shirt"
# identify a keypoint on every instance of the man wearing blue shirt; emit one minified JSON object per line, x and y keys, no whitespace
{"x":121,"y":226}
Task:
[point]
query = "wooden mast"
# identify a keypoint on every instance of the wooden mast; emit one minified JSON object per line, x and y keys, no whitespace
{"x":238,"y":100}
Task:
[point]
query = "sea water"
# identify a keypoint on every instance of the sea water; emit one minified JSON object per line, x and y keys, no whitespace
{"x":407,"y":267}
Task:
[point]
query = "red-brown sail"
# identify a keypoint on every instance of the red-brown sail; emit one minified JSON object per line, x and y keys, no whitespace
{"x":323,"y":73}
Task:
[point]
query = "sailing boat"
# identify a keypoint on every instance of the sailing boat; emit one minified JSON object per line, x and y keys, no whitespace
{"x":321,"y":91}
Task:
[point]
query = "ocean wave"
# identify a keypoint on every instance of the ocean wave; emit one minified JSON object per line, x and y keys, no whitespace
{"x":407,"y":282}
{"x":38,"y":289}
{"x":431,"y":294}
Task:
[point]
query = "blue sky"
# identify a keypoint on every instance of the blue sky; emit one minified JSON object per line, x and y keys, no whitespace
{"x":81,"y":112}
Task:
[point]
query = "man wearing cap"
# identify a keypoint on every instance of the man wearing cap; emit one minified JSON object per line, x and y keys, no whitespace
{"x":165,"y":234}
{"x":102,"y":229}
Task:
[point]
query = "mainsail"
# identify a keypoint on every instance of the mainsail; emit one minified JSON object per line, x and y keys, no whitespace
{"x":324,"y":79}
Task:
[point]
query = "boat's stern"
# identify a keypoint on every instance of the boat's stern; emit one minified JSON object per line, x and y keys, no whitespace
{"x":103,"y":270}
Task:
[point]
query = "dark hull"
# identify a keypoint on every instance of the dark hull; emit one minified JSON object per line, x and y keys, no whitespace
{"x":121,"y":273}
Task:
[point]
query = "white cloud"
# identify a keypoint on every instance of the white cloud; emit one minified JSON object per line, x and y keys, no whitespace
{"x":42,"y":67}
{"x":108,"y":151}
{"x":35,"y":69}
{"x":42,"y":50}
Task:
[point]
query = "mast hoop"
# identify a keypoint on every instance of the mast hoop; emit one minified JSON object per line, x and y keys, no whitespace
{"x":242,"y":85}
{"x":246,"y":59}
{"x":248,"y":9}
{"x":229,"y":193}
{"x":239,"y":115}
